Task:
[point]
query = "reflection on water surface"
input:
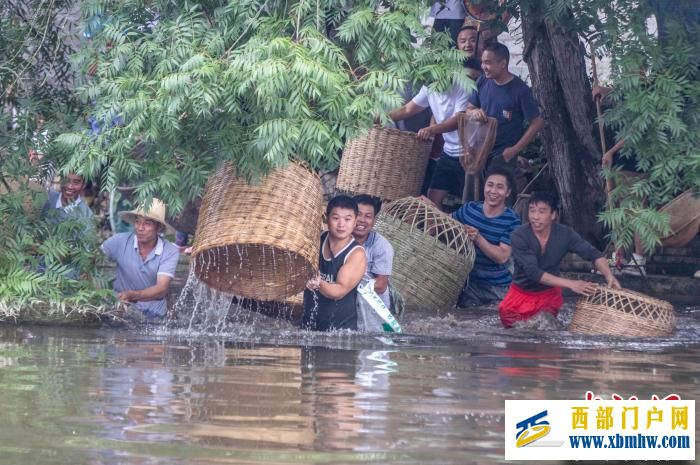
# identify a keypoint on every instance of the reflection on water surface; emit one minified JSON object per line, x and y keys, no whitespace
{"x":280,"y":396}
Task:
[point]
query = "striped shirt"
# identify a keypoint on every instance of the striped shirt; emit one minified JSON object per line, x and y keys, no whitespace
{"x":497,"y":231}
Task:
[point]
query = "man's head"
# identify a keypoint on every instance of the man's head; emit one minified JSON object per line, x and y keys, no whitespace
{"x":147,"y":223}
{"x":368,"y":208}
{"x":71,"y":186}
{"x":147,"y":229}
{"x":341,"y":216}
{"x":466,"y":40}
{"x":497,"y":187}
{"x":494,"y":61}
{"x":542,"y":210}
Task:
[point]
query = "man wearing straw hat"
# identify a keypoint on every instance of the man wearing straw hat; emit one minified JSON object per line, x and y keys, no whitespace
{"x":146,"y":262}
{"x":538,"y":249}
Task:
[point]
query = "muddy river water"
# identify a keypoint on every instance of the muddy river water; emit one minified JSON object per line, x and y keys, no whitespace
{"x":267,"y":393}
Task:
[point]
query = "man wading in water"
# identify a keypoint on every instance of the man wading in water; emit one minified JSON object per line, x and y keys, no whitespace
{"x":538,"y":248}
{"x":330,"y":298}
{"x":146,"y":262}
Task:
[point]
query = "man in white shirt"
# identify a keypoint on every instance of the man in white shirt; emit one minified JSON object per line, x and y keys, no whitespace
{"x":449,"y":174}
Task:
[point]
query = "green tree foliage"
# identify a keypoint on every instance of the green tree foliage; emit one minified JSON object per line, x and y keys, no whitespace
{"x":654,"y":105}
{"x":181,"y":86}
{"x":42,"y":264}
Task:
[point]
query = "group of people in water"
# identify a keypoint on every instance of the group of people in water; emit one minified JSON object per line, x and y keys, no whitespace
{"x":516,"y":265}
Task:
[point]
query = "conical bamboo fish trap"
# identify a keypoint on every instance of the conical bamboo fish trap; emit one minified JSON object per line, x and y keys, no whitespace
{"x":432,"y":253}
{"x":619,"y":312}
{"x":259,"y":241}
{"x":386,"y":163}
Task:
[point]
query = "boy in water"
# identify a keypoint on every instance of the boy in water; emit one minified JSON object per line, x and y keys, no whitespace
{"x":330,"y":298}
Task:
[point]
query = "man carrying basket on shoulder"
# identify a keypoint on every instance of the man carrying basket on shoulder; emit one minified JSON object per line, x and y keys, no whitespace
{"x":538,"y":249}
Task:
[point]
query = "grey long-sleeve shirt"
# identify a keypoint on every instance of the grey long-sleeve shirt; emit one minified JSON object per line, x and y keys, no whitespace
{"x":531,"y":263}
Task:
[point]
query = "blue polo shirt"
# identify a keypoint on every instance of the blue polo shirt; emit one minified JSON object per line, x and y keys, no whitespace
{"x":135,"y":274}
{"x":496,"y":230}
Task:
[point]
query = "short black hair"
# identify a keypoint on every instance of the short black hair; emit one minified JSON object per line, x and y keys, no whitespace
{"x":500,"y":171}
{"x":498,"y":49}
{"x":341,"y":201}
{"x":466,"y":28}
{"x":544,"y":197}
{"x":364,"y":199}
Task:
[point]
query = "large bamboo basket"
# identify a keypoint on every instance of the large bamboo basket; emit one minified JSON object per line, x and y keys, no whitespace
{"x":432,"y":253}
{"x":684,"y":211}
{"x":259,"y":241}
{"x":619,"y":312}
{"x":386,"y":163}
{"x":477,"y":141}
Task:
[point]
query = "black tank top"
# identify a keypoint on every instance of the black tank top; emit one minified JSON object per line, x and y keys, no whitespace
{"x":331,"y":314}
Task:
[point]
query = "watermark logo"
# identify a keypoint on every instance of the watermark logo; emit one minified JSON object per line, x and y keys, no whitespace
{"x":531,"y":429}
{"x":598,"y":429}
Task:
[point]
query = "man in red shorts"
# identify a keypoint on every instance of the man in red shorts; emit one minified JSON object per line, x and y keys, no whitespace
{"x":538,"y":248}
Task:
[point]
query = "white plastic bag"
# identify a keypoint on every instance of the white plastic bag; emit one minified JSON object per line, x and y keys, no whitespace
{"x":372,"y":314}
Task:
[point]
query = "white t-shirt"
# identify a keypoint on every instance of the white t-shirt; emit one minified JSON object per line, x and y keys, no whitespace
{"x":444,"y":106}
{"x":453,"y":9}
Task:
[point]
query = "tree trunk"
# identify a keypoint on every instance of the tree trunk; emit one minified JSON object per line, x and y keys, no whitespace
{"x":557,"y":68}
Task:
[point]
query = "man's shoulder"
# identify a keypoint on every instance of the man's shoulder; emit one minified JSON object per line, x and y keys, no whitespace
{"x":169,"y":248}
{"x":120,"y":238}
{"x":377,"y":241}
{"x":521,"y":231}
{"x":510,"y":215}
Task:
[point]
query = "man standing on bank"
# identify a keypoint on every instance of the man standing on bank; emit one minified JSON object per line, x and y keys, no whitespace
{"x":330,"y":299}
{"x":538,"y":249}
{"x":146,"y":262}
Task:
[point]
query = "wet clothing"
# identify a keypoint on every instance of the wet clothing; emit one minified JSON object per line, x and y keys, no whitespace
{"x":448,"y":175}
{"x":531,"y":263}
{"x":479,"y":294}
{"x":488,"y":280}
{"x":444,"y":106}
{"x":512,"y":104}
{"x":380,"y":257}
{"x":322,"y":313}
{"x":135,"y":273}
{"x":521,"y":305}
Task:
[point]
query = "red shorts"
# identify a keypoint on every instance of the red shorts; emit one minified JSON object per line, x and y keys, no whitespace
{"x":521,"y":305}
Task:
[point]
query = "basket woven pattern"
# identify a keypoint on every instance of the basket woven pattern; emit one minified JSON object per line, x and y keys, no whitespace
{"x":619,"y":312}
{"x":684,"y":211}
{"x":386,"y":163}
{"x":259,"y":241}
{"x":474,"y":161}
{"x":432,"y":253}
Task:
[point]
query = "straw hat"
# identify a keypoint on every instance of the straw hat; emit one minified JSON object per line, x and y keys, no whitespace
{"x":155,"y":213}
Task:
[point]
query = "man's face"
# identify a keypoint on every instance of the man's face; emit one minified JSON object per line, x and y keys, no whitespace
{"x":72,"y":186}
{"x":365,"y":221}
{"x":496,"y":190}
{"x":466,"y":42}
{"x":341,"y":222}
{"x":146,"y":229}
{"x":541,"y":216}
{"x":492,"y":66}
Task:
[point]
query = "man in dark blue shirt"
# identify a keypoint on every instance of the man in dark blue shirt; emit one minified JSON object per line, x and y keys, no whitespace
{"x":504,"y":96}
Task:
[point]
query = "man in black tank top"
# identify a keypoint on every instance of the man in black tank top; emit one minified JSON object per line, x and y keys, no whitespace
{"x":330,"y":298}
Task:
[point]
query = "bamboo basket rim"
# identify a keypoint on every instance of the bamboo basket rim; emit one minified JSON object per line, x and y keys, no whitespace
{"x":417,"y":214}
{"x":623,"y":312}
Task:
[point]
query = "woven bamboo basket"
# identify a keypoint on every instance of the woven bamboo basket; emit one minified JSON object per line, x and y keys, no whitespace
{"x":619,"y":312}
{"x":432,"y":253}
{"x":477,"y":140}
{"x":386,"y":163}
{"x":684,"y":211}
{"x":259,"y":241}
